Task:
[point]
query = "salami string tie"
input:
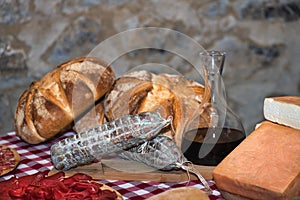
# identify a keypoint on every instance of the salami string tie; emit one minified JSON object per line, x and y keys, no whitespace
{"x":189,"y":168}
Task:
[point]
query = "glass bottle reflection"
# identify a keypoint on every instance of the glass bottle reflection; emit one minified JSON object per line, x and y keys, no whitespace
{"x":211,"y":142}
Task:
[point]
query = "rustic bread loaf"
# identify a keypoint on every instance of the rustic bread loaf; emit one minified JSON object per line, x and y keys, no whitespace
{"x":92,"y":118}
{"x":53,"y":102}
{"x":169,"y":95}
{"x":184,"y":193}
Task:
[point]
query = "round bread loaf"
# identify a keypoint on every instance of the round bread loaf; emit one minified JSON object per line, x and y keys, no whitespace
{"x":53,"y":102}
{"x":186,"y":193}
{"x":169,"y":95}
{"x":94,"y":117}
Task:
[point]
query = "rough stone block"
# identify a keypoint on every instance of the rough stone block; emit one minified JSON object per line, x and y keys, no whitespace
{"x":6,"y":116}
{"x":78,"y":39}
{"x":12,"y":61}
{"x":288,"y":10}
{"x":14,"y":11}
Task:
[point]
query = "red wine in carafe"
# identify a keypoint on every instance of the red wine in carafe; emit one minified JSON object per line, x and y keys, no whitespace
{"x":219,"y":148}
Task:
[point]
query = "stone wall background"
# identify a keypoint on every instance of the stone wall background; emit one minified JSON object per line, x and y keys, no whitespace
{"x":261,"y":38}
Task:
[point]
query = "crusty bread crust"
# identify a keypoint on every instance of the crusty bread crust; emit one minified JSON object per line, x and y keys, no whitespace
{"x":93,"y":118}
{"x":169,"y":95}
{"x":187,"y":193}
{"x":53,"y":102}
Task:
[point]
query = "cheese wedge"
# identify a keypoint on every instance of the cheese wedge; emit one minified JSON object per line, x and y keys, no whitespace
{"x":266,"y":165}
{"x":283,"y":110}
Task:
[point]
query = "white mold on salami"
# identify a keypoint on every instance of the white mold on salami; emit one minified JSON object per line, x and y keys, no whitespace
{"x":111,"y":137}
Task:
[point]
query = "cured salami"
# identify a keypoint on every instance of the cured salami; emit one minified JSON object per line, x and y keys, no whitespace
{"x":9,"y":159}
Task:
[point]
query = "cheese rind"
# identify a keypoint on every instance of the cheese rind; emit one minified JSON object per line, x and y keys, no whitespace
{"x":283,"y":110}
{"x":266,"y":165}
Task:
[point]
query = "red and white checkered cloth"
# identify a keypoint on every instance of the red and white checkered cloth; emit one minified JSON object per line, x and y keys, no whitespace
{"x":35,"y":158}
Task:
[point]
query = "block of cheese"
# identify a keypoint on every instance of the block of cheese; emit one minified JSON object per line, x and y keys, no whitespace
{"x":266,"y":165}
{"x":283,"y":110}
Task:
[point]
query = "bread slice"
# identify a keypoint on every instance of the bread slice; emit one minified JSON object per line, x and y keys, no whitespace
{"x":266,"y":165}
{"x":283,"y":110}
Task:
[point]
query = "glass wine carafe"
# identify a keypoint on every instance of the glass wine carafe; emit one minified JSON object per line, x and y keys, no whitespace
{"x":213,"y":139}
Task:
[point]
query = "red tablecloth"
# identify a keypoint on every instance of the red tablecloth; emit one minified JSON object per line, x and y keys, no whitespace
{"x":36,"y":158}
